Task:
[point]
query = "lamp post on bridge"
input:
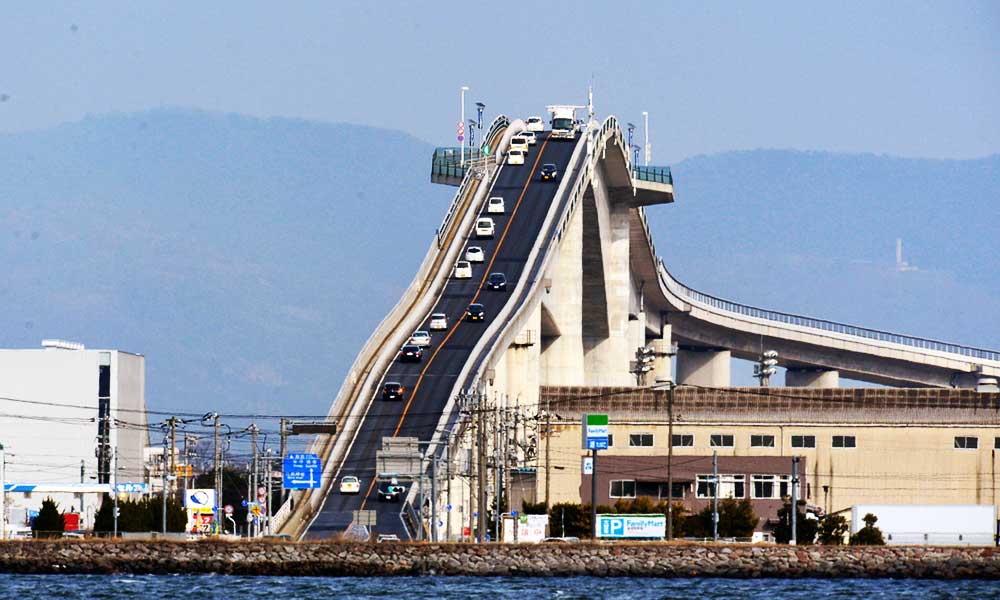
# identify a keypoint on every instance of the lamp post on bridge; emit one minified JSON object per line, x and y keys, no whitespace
{"x":645,"y":138}
{"x":461,"y":121}
{"x":631,"y":133}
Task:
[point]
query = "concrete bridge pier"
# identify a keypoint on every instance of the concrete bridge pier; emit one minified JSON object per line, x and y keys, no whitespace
{"x":812,"y":377}
{"x":987,"y":384}
{"x":663,"y":353}
{"x":708,"y":367}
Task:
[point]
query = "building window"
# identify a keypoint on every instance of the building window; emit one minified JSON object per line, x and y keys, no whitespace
{"x":996,"y":443}
{"x":687,"y":439}
{"x":966,"y":442}
{"x":803,"y":441}
{"x":762,"y":486}
{"x":730,"y":486}
{"x":640,"y":440}
{"x":762,"y":441}
{"x":844,"y":441}
{"x":622,"y":488}
{"x":611,"y":440}
{"x":719,"y":440}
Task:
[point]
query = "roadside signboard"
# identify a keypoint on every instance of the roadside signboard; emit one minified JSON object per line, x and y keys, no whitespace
{"x":595,"y":432}
{"x":530,"y":529}
{"x":588,"y":465}
{"x":131,"y":488}
{"x":625,"y":527}
{"x":229,"y":509}
{"x":301,"y":471}
{"x":200,"y":506}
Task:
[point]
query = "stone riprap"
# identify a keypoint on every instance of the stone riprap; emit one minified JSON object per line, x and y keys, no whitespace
{"x":346,"y":559}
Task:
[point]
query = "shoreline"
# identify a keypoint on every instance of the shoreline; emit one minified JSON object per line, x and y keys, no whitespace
{"x":399,"y":559}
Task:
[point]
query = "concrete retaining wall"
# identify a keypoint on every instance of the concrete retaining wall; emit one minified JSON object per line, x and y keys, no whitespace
{"x":652,"y":560}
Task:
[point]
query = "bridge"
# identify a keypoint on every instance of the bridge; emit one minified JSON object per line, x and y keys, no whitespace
{"x":586,"y":290}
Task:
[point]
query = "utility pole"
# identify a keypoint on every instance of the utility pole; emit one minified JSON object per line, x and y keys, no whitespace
{"x":481,"y":470}
{"x":217,"y":517}
{"x":81,"y":470}
{"x":434,"y":519}
{"x":172,"y":422}
{"x":253,"y":468}
{"x":766,"y":367}
{"x":114,"y":493}
{"x":497,"y":482}
{"x":163,"y":492}
{"x":269,"y":473}
{"x":715,"y":495}
{"x":447,"y":449}
{"x":593,"y":493}
{"x":3,"y":494}
{"x":282,"y":449}
{"x":670,"y":462}
{"x":548,"y":453}
{"x":795,"y":503}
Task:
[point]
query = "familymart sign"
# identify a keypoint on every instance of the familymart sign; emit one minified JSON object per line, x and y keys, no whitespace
{"x":595,"y":432}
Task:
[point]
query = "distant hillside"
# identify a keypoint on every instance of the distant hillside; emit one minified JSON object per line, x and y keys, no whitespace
{"x":250,"y":259}
{"x":814,"y":233}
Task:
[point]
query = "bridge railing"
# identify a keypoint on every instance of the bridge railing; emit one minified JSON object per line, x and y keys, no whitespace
{"x":690,"y":294}
{"x":653,"y":174}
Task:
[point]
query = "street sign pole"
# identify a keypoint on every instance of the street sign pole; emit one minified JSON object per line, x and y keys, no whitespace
{"x":593,"y":492}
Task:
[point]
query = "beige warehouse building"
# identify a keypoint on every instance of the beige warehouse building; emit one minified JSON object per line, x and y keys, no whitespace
{"x":857,"y":446}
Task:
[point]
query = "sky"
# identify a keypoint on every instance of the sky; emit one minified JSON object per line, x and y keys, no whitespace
{"x":913,"y":79}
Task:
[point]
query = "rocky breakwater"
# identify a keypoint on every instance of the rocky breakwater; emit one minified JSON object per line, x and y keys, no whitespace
{"x":344,"y":559}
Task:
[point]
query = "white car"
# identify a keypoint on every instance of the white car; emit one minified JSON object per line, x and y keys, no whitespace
{"x":495,"y":205}
{"x":530,"y":136}
{"x":463,"y":270}
{"x":349,"y":484}
{"x":484,"y":227}
{"x":420,"y":338}
{"x":516,"y":157}
{"x":475,"y":254}
{"x":519,"y":142}
{"x":536,"y":124}
{"x":439,"y":322}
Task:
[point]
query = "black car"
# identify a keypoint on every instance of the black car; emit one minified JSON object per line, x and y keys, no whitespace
{"x":390,"y":492}
{"x":496,"y":281}
{"x":549,"y":172}
{"x":475,"y":312}
{"x":410,"y":353}
{"x":392,"y":391}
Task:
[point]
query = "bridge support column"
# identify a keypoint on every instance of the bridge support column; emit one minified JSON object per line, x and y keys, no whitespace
{"x":986,"y":383}
{"x":812,"y":377}
{"x":707,"y":367}
{"x":663,"y":352}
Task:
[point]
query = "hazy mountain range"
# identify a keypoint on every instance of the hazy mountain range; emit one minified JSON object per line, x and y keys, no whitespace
{"x":250,"y":259}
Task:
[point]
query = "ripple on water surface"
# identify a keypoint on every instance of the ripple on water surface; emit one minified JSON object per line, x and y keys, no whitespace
{"x":204,"y":587}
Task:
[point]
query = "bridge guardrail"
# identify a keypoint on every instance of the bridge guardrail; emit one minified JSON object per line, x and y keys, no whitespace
{"x":653,"y":174}
{"x":690,"y":294}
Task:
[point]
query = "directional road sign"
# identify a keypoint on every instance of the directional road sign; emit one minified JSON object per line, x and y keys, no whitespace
{"x":229,"y":509}
{"x":301,"y":471}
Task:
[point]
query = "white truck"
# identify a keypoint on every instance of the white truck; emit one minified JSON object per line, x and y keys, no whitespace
{"x":930,"y":524}
{"x":563,"y":121}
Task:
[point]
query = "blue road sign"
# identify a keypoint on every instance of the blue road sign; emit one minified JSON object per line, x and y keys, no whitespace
{"x":513,"y":513}
{"x":449,"y":507}
{"x":301,"y":471}
{"x":597,"y":443}
{"x":130,"y":487}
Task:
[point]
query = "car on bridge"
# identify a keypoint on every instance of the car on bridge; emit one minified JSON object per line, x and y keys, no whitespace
{"x":349,"y":484}
{"x":495,"y":206}
{"x":535,"y":124}
{"x":475,"y":254}
{"x":390,"y":491}
{"x":393,"y":390}
{"x":496,"y":281}
{"x":420,"y":338}
{"x":530,"y":136}
{"x":516,"y":157}
{"x":549,"y":172}
{"x":410,"y":353}
{"x":475,"y":312}
{"x":519,"y":142}
{"x":485,"y":227}
{"x":463,"y":270}
{"x":439,"y":322}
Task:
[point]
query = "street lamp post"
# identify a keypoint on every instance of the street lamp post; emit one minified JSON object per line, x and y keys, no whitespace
{"x":461,"y":121}
{"x":3,"y":494}
{"x":645,"y":138}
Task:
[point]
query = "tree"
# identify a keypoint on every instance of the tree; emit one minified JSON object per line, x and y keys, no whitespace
{"x":144,"y":514}
{"x":869,"y":535}
{"x":805,"y":529}
{"x":534,"y":508}
{"x":49,"y":522}
{"x":736,"y":520}
{"x":832,"y":529}
{"x":571,"y":520}
{"x":105,"y":518}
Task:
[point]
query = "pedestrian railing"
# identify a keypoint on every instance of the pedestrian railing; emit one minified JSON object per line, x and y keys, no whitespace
{"x":653,"y":174}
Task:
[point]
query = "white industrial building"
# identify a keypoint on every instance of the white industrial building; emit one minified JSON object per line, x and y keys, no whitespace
{"x":65,"y":411}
